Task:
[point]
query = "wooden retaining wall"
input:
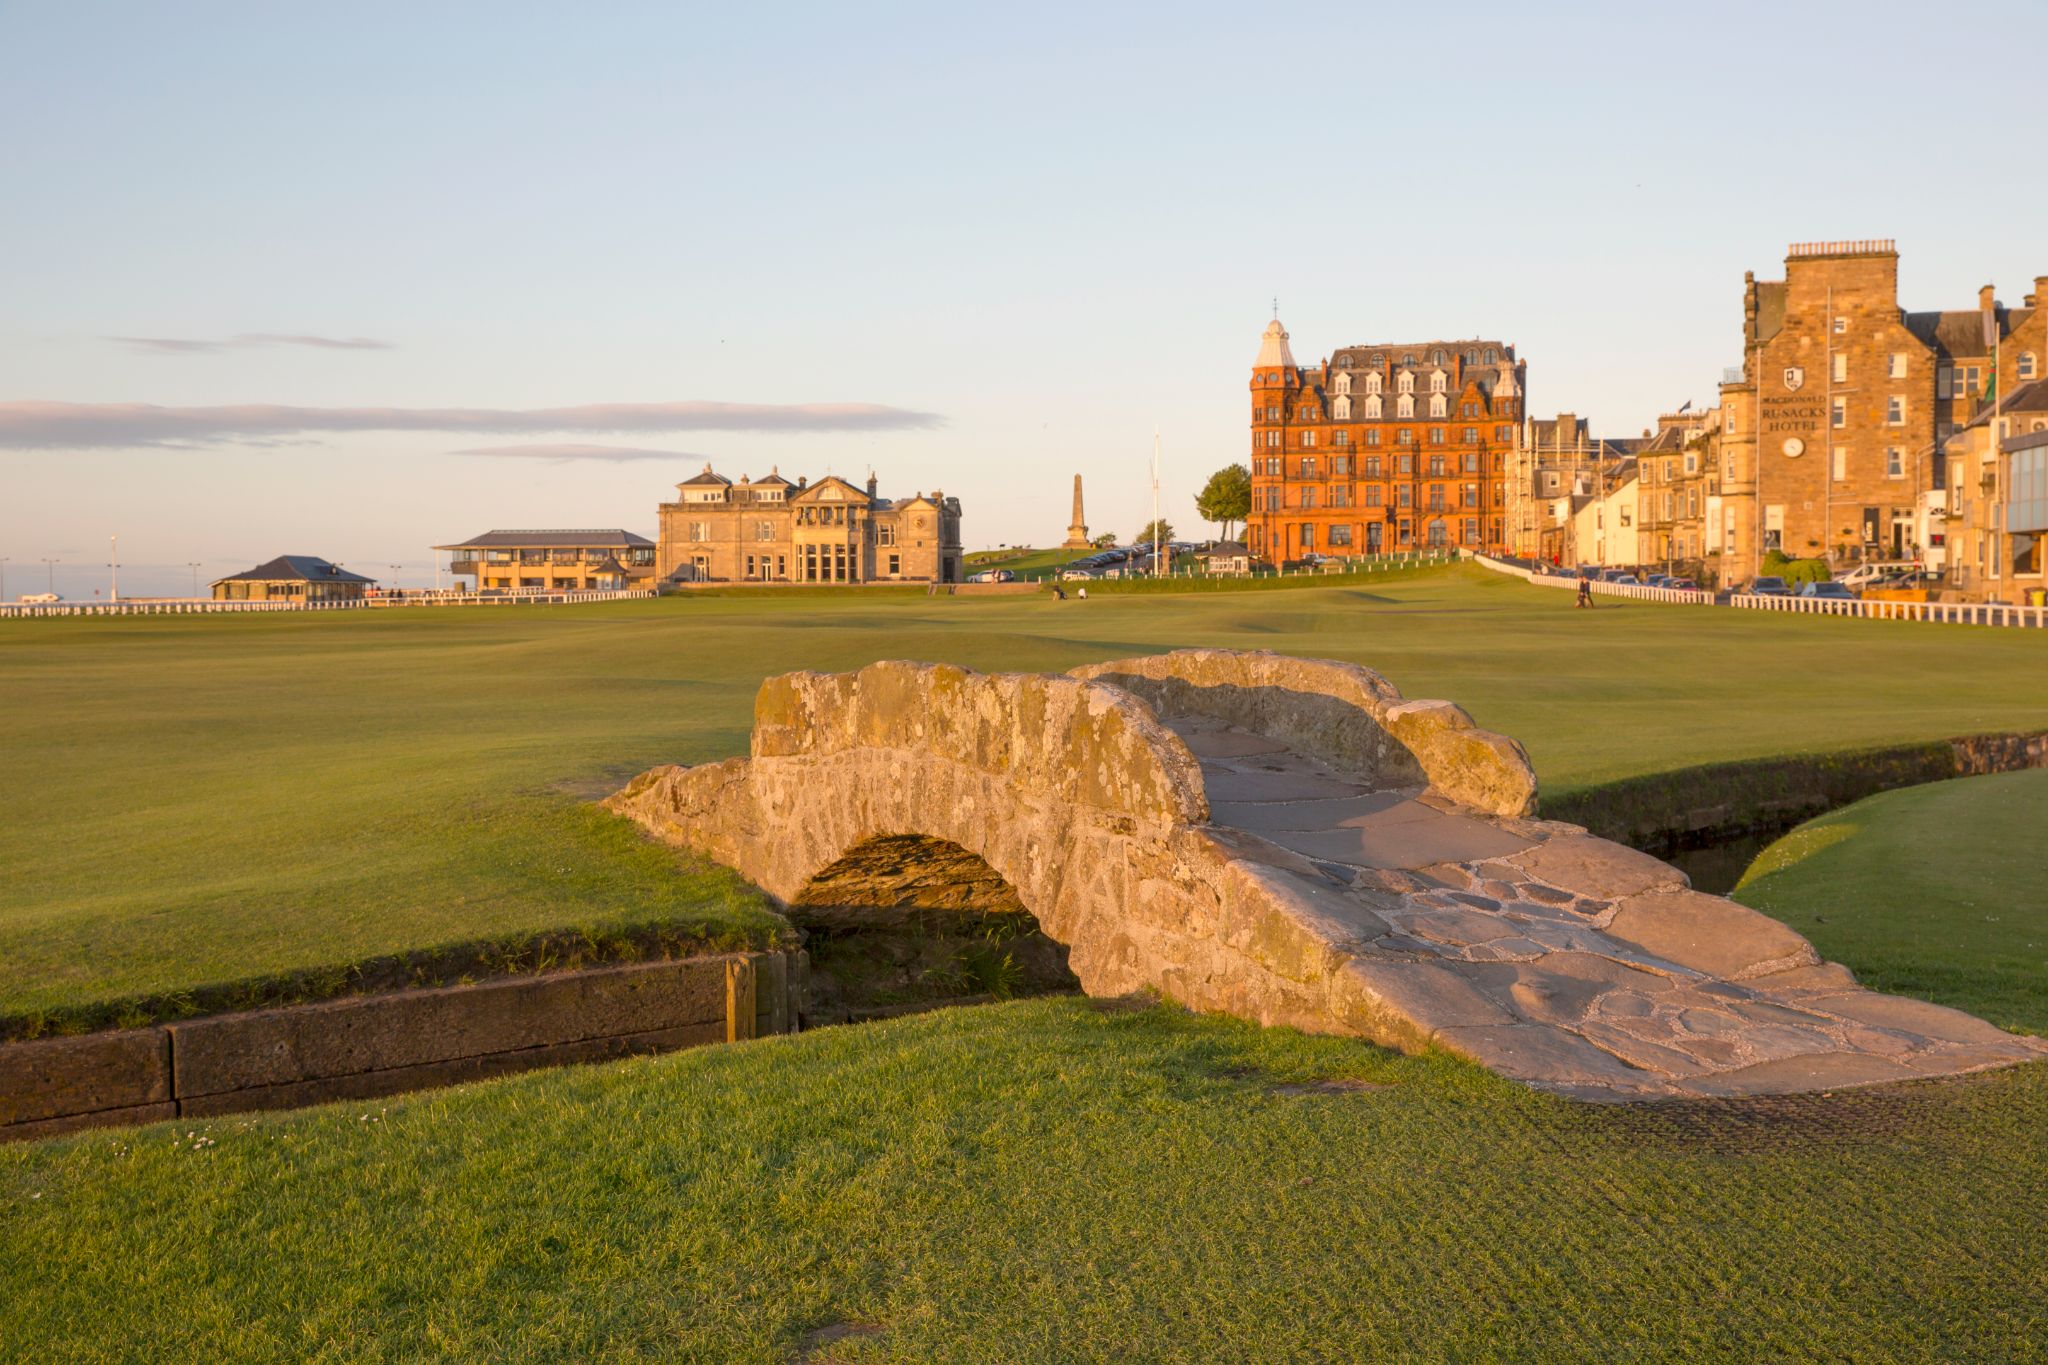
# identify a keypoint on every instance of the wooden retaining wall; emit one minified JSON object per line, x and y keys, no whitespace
{"x":365,"y":1046}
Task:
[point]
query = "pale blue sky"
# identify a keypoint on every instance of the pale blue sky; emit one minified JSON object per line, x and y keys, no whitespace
{"x":1053,"y":227}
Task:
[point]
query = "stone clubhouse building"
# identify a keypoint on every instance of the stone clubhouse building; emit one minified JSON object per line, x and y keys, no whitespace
{"x":770,"y":530}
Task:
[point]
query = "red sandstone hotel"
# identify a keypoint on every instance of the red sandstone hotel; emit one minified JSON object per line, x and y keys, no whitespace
{"x":1382,"y":448}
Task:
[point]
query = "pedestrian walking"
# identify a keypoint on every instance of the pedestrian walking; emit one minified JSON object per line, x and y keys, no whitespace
{"x":1585,"y":592}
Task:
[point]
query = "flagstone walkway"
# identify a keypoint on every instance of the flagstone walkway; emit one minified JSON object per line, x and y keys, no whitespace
{"x":1564,"y":960}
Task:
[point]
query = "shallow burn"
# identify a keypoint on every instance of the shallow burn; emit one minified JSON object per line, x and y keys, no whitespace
{"x":905,"y":922}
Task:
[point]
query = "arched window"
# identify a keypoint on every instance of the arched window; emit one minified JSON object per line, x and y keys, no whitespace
{"x":1491,"y":355}
{"x":1406,"y":406}
{"x":1436,"y":358}
{"x":1344,"y":383}
{"x":1372,"y":406}
{"x":1404,"y":382}
{"x":1378,"y":361}
{"x":1436,"y":405}
{"x":1344,"y":361}
{"x":1373,"y":383}
{"x":1340,"y":409}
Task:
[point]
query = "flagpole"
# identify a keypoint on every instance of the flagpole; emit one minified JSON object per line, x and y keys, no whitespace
{"x":1155,"y":502}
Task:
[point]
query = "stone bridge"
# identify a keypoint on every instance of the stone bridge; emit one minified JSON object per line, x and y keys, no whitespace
{"x":1291,"y":842}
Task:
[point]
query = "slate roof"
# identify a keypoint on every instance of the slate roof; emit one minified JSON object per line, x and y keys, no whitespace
{"x":296,"y":568}
{"x":547,"y":540}
{"x":2030,"y":397}
{"x":1957,"y":332}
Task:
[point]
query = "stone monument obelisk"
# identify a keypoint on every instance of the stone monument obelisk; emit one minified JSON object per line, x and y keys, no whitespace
{"x":1077,"y":534}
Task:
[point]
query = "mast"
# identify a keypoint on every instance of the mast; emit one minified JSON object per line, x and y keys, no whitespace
{"x":1155,"y":502}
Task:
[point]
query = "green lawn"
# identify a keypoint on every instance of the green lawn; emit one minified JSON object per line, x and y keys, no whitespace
{"x":1023,"y":563}
{"x":192,"y":800}
{"x":1938,"y":891}
{"x":1042,"y":1181}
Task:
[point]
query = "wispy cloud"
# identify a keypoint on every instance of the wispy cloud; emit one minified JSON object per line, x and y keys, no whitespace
{"x":246,"y":340}
{"x":571,"y":451}
{"x":38,"y":425}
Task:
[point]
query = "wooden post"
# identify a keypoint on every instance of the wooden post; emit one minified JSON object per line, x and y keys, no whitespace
{"x":739,"y":999}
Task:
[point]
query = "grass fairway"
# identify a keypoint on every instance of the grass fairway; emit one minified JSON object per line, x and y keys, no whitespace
{"x":1938,"y":891}
{"x":1042,"y":1181}
{"x":192,"y":800}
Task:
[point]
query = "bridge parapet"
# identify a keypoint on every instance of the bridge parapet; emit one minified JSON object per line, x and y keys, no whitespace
{"x":1346,"y":715}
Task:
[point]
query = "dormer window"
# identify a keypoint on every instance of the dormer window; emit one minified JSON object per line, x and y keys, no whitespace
{"x":1405,"y":381}
{"x":1438,"y":381}
{"x":1372,"y":407}
{"x":1372,"y":383}
{"x":1344,"y":382}
{"x":1436,"y":405}
{"x":1405,"y":405}
{"x":1341,"y":409}
{"x":1436,"y":358}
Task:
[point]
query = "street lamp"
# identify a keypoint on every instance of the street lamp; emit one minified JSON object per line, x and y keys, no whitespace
{"x":4,"y":561}
{"x":193,"y":565}
{"x":50,"y":568}
{"x":114,"y":563}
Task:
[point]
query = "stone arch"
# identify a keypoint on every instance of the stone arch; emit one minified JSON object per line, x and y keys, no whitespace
{"x":1368,"y":869}
{"x":1050,"y":781}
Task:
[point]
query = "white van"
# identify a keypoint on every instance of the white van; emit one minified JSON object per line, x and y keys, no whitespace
{"x":1863,"y":575}
{"x":39,"y":599}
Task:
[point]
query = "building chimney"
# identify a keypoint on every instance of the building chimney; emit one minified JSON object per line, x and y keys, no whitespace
{"x":871,"y":485}
{"x":1987,"y":299}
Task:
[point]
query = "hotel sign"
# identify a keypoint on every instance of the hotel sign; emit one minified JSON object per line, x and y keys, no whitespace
{"x":1793,"y":414}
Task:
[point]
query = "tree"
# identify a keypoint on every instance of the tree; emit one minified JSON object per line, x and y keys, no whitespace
{"x":1105,"y":541}
{"x":1144,"y":536}
{"x":1227,"y":497}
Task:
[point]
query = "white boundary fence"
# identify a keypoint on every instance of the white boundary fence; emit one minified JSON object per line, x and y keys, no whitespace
{"x":1951,"y":613}
{"x":186,"y":606}
{"x":1642,"y":592}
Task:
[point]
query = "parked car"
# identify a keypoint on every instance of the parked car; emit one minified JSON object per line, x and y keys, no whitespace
{"x":994,"y":576}
{"x":1830,"y":590}
{"x":1069,"y":574}
{"x":1628,"y":579}
{"x":1682,"y":584}
{"x":1769,"y":587}
{"x":1658,"y":580}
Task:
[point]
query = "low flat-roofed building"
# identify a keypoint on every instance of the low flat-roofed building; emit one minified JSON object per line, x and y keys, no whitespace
{"x":294,"y":578}
{"x":554,"y":561}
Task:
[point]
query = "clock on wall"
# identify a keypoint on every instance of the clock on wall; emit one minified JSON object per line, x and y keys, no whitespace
{"x":1794,"y":447}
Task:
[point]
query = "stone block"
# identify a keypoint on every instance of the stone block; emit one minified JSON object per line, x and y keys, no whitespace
{"x":416,"y":1028}
{"x":1710,"y":934}
{"x":56,"y":1078}
{"x":366,"y":1085}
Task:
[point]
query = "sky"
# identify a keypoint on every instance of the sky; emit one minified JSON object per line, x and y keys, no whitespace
{"x":355,"y":280}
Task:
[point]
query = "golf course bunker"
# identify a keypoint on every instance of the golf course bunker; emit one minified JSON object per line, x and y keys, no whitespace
{"x":1292,"y":842}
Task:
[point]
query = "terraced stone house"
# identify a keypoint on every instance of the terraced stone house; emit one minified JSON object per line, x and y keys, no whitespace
{"x":1833,"y":428}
